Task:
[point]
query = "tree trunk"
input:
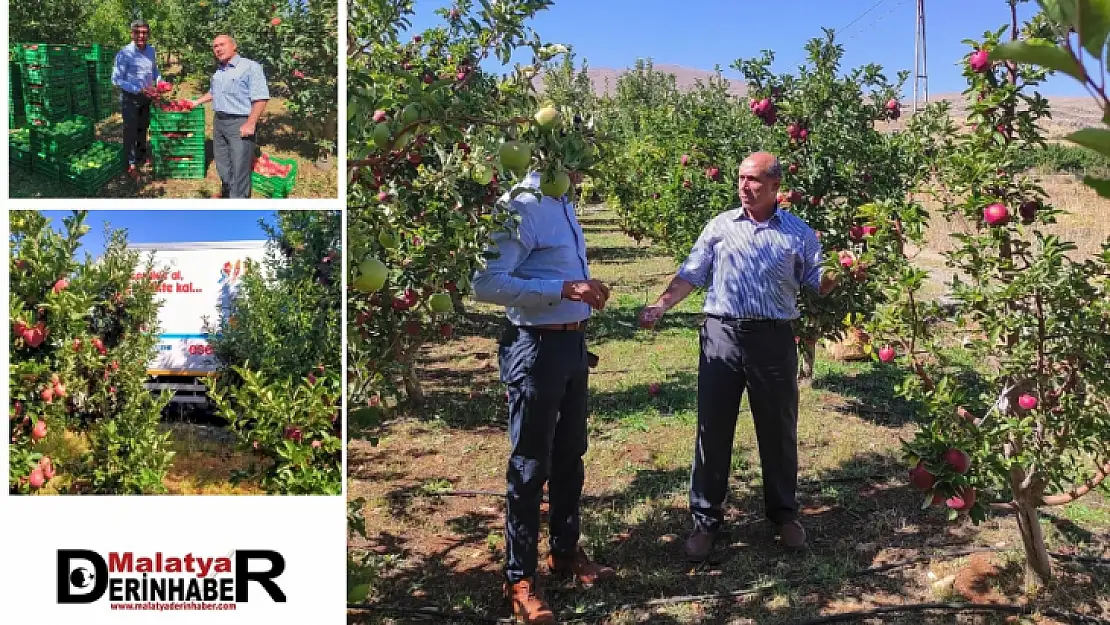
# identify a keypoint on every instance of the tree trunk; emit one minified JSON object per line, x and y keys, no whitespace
{"x":457,"y":302}
{"x":1038,"y":564}
{"x":805,"y":363}
{"x":409,"y":374}
{"x":412,"y":385}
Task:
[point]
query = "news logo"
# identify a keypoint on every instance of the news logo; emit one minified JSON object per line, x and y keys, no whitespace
{"x":133,"y":581}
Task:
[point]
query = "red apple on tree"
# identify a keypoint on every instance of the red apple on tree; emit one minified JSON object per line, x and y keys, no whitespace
{"x":39,"y":431}
{"x":921,"y":478}
{"x":996,"y":214}
{"x":886,"y":353}
{"x":958,"y":460}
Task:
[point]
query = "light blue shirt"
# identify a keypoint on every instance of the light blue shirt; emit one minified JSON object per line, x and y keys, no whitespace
{"x":236,"y":85}
{"x":135,"y":69}
{"x":546,"y":249}
{"x":754,"y":270}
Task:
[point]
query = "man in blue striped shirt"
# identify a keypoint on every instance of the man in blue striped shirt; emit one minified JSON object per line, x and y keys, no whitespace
{"x":238,"y":94}
{"x":135,"y":72}
{"x":755,"y":259}
{"x":542,"y":278}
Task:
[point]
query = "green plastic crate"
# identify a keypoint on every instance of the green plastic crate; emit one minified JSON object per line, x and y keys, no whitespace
{"x":45,"y":75}
{"x":273,"y":186}
{"x":46,"y":167}
{"x":70,"y":135}
{"x":185,"y":167}
{"x":50,"y":97}
{"x":178,"y":143}
{"x":166,"y":121}
{"x":44,"y":54}
{"x":20,"y":139}
{"x":22,"y":160}
{"x":96,"y":53}
{"x":39,"y":115}
{"x":89,"y":170}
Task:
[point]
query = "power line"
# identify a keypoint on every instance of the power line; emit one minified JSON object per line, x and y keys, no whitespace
{"x":877,"y":20}
{"x":860,"y":16}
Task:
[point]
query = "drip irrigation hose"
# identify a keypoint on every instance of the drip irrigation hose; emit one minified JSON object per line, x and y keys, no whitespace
{"x":844,"y":617}
{"x":757,"y":590}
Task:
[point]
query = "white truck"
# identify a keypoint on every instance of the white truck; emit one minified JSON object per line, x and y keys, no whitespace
{"x":199,"y":279}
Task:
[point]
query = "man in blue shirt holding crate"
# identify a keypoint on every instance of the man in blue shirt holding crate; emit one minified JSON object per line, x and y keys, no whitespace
{"x":239,"y":95}
{"x":135,"y":72}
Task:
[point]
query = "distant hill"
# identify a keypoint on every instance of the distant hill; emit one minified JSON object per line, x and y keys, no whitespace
{"x":685,"y":77}
{"x":1068,"y":113}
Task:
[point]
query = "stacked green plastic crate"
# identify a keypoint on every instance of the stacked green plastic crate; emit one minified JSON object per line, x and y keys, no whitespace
{"x":19,"y":148}
{"x":53,"y":144}
{"x":98,"y":64}
{"x":17,"y":115}
{"x":80,"y":95}
{"x":177,"y":141}
{"x":45,"y":71}
{"x":89,"y":169}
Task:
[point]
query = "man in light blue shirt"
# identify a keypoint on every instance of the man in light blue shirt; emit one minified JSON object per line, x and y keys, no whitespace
{"x":754,"y":259}
{"x":135,"y":72}
{"x":542,"y":278}
{"x":238,"y":94}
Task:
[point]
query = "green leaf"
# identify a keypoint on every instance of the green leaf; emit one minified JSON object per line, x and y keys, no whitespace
{"x":1062,"y":12}
{"x":1094,"y":25}
{"x":1096,"y":139}
{"x":1041,"y":53}
{"x":1100,"y":185}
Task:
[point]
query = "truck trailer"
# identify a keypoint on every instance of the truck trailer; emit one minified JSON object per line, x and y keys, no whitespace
{"x":198,"y":280}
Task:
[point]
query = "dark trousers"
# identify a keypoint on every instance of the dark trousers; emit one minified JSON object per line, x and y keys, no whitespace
{"x":547,"y":377}
{"x":234,"y":155}
{"x":136,"y":121}
{"x":762,"y":358}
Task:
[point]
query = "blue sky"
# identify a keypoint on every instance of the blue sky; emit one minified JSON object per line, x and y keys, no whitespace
{"x":162,"y":226}
{"x":704,"y":33}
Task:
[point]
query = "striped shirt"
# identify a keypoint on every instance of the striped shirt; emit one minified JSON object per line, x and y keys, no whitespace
{"x":237,"y":85}
{"x":546,"y":249}
{"x":754,"y":270}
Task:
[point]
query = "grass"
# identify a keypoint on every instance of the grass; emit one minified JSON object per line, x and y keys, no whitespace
{"x":204,"y":461}
{"x":428,"y":547}
{"x":277,"y":136}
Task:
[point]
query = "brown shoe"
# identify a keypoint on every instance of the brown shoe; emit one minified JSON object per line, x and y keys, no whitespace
{"x":700,"y":544}
{"x":793,"y":535}
{"x":528,"y":606}
{"x":579,"y":565}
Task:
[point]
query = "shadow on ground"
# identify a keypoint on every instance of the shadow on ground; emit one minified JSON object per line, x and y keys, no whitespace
{"x":869,"y":393}
{"x":640,"y":527}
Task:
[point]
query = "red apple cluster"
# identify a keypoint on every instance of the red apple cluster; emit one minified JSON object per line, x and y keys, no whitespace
{"x":266,"y":167}
{"x":764,"y":109}
{"x":34,"y":336}
{"x":176,"y":106}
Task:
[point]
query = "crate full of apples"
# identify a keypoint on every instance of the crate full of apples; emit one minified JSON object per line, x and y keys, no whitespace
{"x":273,"y":177}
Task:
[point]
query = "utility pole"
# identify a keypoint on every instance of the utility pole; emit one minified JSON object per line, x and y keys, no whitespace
{"x":920,"y":71}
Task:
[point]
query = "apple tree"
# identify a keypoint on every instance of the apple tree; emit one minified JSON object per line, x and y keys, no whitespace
{"x":826,"y":130}
{"x":435,"y":144}
{"x":1025,"y":427}
{"x":307,"y":63}
{"x":279,"y":345}
{"x":1070,"y":28}
{"x":82,"y":335}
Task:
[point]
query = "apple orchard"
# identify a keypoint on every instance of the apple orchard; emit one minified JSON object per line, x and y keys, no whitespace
{"x":437,"y":142}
